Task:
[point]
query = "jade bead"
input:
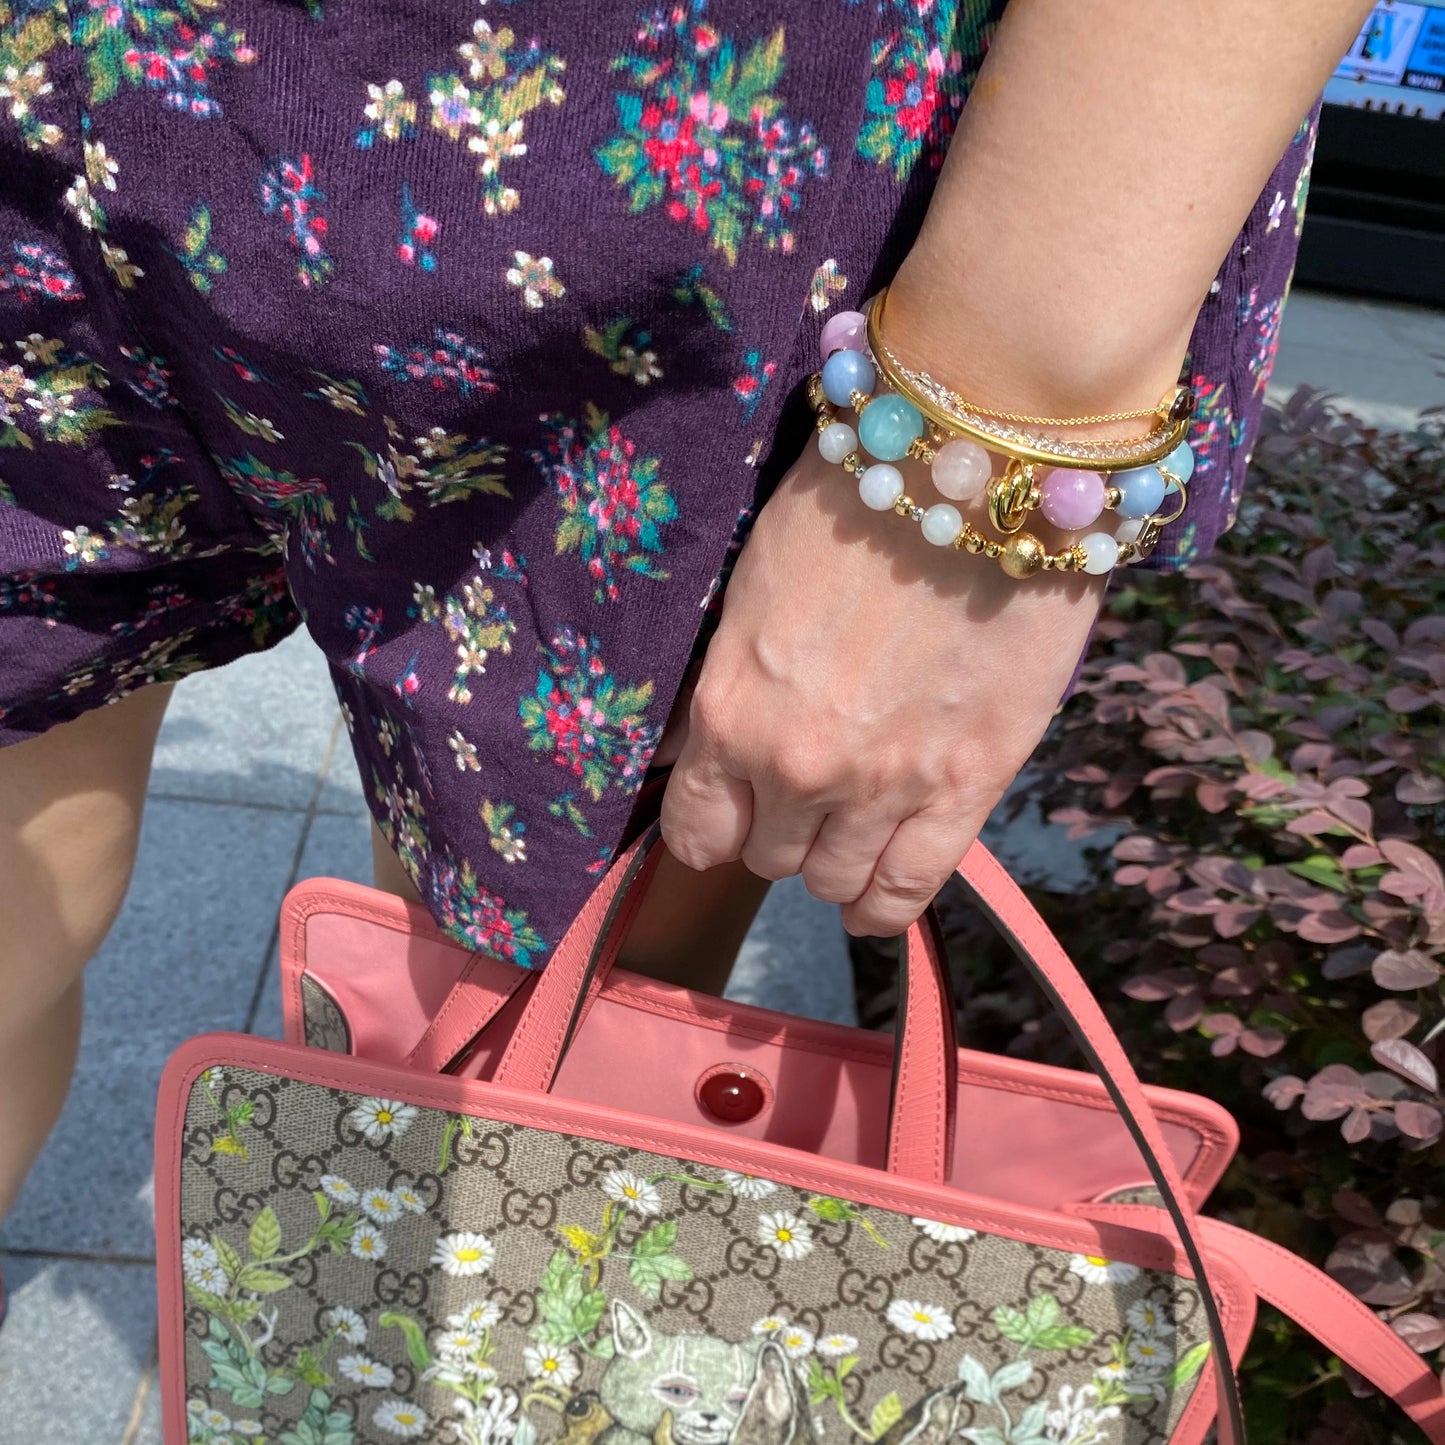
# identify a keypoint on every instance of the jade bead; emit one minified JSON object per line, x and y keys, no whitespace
{"x":844,"y":373}
{"x":1180,"y":462}
{"x":889,"y":424}
{"x":1141,"y":490}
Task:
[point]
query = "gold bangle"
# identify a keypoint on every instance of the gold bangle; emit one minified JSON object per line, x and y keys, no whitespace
{"x":950,"y":413}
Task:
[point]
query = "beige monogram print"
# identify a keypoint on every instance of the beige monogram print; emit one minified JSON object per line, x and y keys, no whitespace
{"x":366,"y":1270}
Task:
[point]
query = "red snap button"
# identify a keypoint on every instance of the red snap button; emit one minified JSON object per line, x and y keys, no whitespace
{"x":731,"y":1094}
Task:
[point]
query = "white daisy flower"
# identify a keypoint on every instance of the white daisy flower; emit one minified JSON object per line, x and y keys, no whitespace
{"x":464,"y":1253}
{"x":797,"y":1342}
{"x":549,"y":1364}
{"x":922,"y":1321}
{"x":208,"y":1277}
{"x":379,"y":1119}
{"x":248,"y":1427}
{"x":632,"y":1190}
{"x":363,"y":1371}
{"x":198,"y":1254}
{"x":786,"y":1232}
{"x":368,"y":1242}
{"x":479,"y":1315}
{"x":1149,"y":1318}
{"x":944,"y":1233}
{"x":770,"y":1325}
{"x":340,"y":1190}
{"x":748,"y":1186}
{"x":1097,"y":1270}
{"x":457,"y":1344}
{"x":349,"y":1325}
{"x":381,"y":1205}
{"x":196,"y":1407}
{"x":401,"y":1417}
{"x":214,"y":1420}
{"x":1149,"y":1351}
{"x":409,"y":1199}
{"x":834,"y":1347}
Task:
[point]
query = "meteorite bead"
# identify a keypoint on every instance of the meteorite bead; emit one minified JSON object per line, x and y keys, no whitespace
{"x":1101,"y":553}
{"x":847,"y":331}
{"x":836,"y":441}
{"x":846,"y":372}
{"x":880,"y":486}
{"x":961,"y":470}
{"x":941,"y":524}
{"x":1141,"y":490}
{"x":1180,"y":462}
{"x":1072,"y":500}
{"x":889,"y":424}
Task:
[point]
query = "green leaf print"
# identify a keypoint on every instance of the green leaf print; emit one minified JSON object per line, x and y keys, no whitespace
{"x":1039,"y":1326}
{"x":658,"y":1240}
{"x":265,"y":1238}
{"x":202,"y":262}
{"x":1188,"y":1366}
{"x":648,"y":1274}
{"x":886,"y":1413}
{"x":416,"y":1345}
{"x":230,"y":1260}
{"x":320,"y":1425}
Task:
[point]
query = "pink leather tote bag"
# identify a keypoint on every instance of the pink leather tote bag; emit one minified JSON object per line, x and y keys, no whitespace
{"x":502,"y":1208}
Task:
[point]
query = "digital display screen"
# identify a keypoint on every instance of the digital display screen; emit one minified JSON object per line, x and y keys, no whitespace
{"x":1397,"y":63}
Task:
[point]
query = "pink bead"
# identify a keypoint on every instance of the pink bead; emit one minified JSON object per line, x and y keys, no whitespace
{"x":961,"y":470}
{"x":1071,"y":499}
{"x":847,"y":331}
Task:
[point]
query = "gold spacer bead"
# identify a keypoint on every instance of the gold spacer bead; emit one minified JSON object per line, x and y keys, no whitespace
{"x":823,"y":421}
{"x":993,"y":549}
{"x":904,"y":505}
{"x":921,"y":450}
{"x":859,"y":401}
{"x":975,"y":541}
{"x":854,"y":463}
{"x":1078,"y":557}
{"x":1112,"y":495}
{"x":1050,"y":561}
{"x":816,"y":397}
{"x":1022,"y":556}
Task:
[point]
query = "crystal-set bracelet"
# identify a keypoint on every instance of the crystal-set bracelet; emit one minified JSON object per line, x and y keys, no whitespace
{"x":1142,"y":480}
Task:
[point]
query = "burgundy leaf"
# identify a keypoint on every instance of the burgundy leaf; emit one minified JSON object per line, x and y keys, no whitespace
{"x":1407,"y":698}
{"x":1263,"y":1043}
{"x":1137,"y":848}
{"x":1237,"y":982}
{"x":1147,"y":988}
{"x":1183,"y":1013}
{"x":1330,"y":926}
{"x":1356,"y":1128}
{"x":1420,"y":788}
{"x":1352,"y":812}
{"x":1390,"y":1019}
{"x":1221,"y":1024}
{"x":1379,"y":633}
{"x":1419,"y":874}
{"x":1347,"y":962}
{"x":1404,"y":970}
{"x":1407,"y":1061}
{"x":1418,"y":1121}
{"x":1361,"y":855}
{"x":1235,"y":918}
{"x":1423,"y":1333}
{"x":1354,"y":1208}
{"x":1311,"y":824}
{"x":1285,"y":1090}
{"x":1365,"y":1264}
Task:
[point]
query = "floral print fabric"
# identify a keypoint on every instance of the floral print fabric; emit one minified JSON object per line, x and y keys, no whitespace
{"x":473,"y":337}
{"x":359,"y":1270}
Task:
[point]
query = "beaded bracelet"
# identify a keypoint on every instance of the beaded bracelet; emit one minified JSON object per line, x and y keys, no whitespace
{"x":1071,"y":497}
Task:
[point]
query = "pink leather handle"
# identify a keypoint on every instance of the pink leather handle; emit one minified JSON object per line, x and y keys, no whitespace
{"x":1339,"y":1321}
{"x":925,"y":1074}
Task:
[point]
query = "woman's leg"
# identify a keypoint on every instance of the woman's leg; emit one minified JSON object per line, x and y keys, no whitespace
{"x":688,"y":931}
{"x":70,"y":811}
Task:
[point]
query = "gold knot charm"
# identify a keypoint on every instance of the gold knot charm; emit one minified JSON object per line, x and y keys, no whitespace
{"x":1010,"y":496}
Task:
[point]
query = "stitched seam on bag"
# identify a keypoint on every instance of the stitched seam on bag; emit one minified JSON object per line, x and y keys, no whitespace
{"x":1167,"y":1258}
{"x":454,"y":1000}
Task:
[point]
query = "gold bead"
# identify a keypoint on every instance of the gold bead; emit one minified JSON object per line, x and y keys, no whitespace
{"x":1023,"y":555}
{"x":859,"y":401}
{"x":1112,"y":495}
{"x":921,"y":450}
{"x":992,"y":549}
{"x":904,"y":505}
{"x":974,"y":541}
{"x":822,"y":422}
{"x":853,"y":463}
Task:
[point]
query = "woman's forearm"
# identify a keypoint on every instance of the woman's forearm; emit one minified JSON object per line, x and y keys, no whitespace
{"x":1108,"y":155}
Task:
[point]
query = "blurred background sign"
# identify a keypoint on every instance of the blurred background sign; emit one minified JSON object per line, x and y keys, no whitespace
{"x":1376,"y":223}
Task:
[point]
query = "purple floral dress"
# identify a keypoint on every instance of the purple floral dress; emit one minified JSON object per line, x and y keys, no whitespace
{"x":467,"y":334}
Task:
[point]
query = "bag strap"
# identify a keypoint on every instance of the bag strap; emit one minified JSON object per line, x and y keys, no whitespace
{"x":1343,"y":1324}
{"x":924,"y":1097}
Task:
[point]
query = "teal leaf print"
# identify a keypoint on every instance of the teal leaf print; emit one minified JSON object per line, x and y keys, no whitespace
{"x":614,"y":503}
{"x":702,"y":133}
{"x":320,"y":1425}
{"x":692,"y":290}
{"x":303,"y":507}
{"x":202,"y":262}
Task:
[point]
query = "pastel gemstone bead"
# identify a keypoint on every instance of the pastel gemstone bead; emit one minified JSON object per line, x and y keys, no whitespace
{"x":961,"y":471}
{"x":847,"y":331}
{"x":1101,"y":553}
{"x":942,"y":523}
{"x":1129,"y":531}
{"x":888,"y":425}
{"x":1180,"y":462}
{"x":1071,"y":500}
{"x":844,"y":373}
{"x":1141,"y":490}
{"x":836,"y":440}
{"x":880,"y":486}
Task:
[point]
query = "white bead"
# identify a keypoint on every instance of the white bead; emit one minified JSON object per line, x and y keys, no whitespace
{"x":836,"y":441}
{"x":1129,"y":529}
{"x":942,"y":523}
{"x":961,"y":470}
{"x":880,"y":486}
{"x":1101,"y":553}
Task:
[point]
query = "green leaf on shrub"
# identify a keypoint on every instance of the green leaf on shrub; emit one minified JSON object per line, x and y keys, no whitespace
{"x":1323,"y":869}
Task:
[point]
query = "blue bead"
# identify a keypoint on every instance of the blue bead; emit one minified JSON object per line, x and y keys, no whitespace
{"x":888,"y":425}
{"x":1140,"y":492}
{"x":846,"y":372}
{"x":1180,"y":462}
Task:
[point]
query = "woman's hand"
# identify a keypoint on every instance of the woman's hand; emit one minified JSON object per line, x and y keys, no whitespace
{"x":865,"y":702}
